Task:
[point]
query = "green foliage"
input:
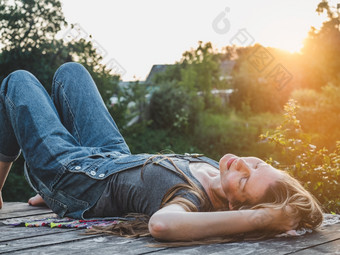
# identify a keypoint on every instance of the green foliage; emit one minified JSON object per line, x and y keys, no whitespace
{"x":142,"y":138}
{"x":198,"y":72}
{"x":27,"y":25}
{"x":201,"y":71}
{"x":324,"y":107}
{"x":321,"y":50}
{"x":213,"y":135}
{"x":219,"y":134}
{"x":317,"y":169}
{"x":132,"y":103}
{"x":252,"y":87}
{"x":174,"y":107}
{"x":28,"y":30}
{"x":171,"y":74}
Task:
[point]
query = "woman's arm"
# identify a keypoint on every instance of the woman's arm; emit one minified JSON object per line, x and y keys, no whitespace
{"x":173,"y":223}
{"x":4,"y":170}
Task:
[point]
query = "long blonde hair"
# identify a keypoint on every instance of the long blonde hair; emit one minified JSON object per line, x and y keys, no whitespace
{"x":285,"y":191}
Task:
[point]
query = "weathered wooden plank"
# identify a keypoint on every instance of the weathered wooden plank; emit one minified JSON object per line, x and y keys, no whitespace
{"x":27,"y":214}
{"x":100,"y":245}
{"x":9,"y":207}
{"x":17,"y":209}
{"x":9,"y":233}
{"x":117,"y":245}
{"x":276,"y":246}
{"x":69,"y":241}
{"x":41,"y":241}
{"x":327,"y":248}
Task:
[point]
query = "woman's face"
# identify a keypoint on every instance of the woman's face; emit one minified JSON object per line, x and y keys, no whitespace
{"x":245,"y":179}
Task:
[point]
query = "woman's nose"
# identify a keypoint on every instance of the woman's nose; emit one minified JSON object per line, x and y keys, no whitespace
{"x":242,"y":165}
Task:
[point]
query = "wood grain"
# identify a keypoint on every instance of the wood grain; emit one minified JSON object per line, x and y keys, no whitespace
{"x":44,"y":240}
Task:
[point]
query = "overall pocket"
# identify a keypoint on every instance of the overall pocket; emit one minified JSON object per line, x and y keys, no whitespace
{"x":55,"y":205}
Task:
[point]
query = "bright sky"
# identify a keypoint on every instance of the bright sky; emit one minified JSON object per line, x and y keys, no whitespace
{"x":138,"y":34}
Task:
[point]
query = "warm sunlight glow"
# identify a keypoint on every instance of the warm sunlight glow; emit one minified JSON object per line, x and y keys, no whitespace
{"x":292,"y":44}
{"x":139,"y":34}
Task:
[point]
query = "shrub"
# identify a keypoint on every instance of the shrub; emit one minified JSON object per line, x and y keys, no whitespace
{"x":317,"y":169}
{"x":218,"y":134}
{"x":173,"y":107}
{"x":319,"y":113}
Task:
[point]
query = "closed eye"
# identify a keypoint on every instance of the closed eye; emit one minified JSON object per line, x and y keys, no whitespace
{"x":243,"y":182}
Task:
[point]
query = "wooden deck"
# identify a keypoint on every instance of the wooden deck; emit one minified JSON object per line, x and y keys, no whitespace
{"x":43,"y":240}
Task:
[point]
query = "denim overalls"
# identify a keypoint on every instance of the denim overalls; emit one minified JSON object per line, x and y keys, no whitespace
{"x":70,"y":142}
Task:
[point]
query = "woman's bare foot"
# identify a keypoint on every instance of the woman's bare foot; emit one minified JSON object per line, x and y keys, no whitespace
{"x":36,"y":200}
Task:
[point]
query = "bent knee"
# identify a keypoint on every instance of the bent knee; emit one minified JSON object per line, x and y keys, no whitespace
{"x":21,"y":75}
{"x":67,"y":74}
{"x":69,"y":68}
{"x":18,"y":78}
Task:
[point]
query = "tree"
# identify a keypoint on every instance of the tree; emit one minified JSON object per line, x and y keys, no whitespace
{"x":252,"y":88}
{"x":28,"y":30}
{"x":174,"y":107}
{"x":28,"y":34}
{"x":201,"y":71}
{"x":29,"y":24}
{"x":321,"y":49}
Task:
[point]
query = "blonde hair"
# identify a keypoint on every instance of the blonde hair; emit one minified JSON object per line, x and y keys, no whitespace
{"x":286,"y":191}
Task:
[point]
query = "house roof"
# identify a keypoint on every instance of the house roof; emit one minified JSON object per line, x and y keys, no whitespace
{"x":154,"y":70}
{"x":226,"y":68}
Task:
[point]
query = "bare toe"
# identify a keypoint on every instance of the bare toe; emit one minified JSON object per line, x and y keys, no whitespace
{"x":36,"y":200}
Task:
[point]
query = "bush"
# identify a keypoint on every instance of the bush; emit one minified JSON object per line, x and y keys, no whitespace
{"x":317,"y":169}
{"x":172,"y":107}
{"x":319,"y":113}
{"x":143,"y":139}
{"x":218,"y":134}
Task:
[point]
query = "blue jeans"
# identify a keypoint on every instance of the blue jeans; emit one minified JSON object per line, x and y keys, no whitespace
{"x":51,"y":132}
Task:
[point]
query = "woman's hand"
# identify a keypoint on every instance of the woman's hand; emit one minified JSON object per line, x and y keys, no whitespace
{"x":278,"y":219}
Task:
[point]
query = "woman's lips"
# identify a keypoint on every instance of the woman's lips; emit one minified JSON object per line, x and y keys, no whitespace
{"x":230,"y":161}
